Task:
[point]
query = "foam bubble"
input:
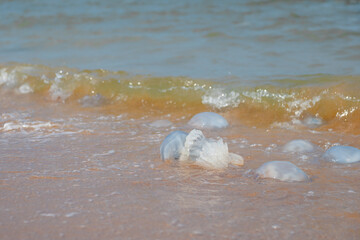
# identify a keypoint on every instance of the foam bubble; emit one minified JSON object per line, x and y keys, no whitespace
{"x":298,"y":146}
{"x":342,"y":154}
{"x":172,"y":145}
{"x":209,"y":153}
{"x":281,"y":170}
{"x":208,"y":120}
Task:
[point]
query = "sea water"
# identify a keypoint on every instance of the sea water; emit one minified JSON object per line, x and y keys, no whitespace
{"x":90,"y":89}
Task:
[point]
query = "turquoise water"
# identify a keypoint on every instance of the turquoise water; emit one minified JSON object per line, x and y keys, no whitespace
{"x":207,"y":39}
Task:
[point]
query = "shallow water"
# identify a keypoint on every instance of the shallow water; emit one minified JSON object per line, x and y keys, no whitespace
{"x":84,"y":84}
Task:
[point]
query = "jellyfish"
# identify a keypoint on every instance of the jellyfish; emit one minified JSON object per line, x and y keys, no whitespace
{"x":282,"y":170}
{"x":208,"y":120}
{"x":342,"y":154}
{"x":172,"y":145}
{"x":313,"y":122}
{"x":207,"y":152}
{"x":298,"y":146}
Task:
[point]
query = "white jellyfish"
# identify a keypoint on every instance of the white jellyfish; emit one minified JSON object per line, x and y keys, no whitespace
{"x":172,"y":145}
{"x":298,"y":146}
{"x":282,"y":170}
{"x":207,"y":152}
{"x":208,"y":120}
{"x":342,"y":154}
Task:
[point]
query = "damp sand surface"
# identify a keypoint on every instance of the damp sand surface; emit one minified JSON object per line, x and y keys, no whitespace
{"x":69,"y":172}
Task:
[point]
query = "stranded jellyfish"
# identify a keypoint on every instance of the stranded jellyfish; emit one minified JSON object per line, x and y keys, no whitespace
{"x":172,"y":145}
{"x":298,"y":146}
{"x":196,"y":148}
{"x":281,"y":170}
{"x":342,"y":154}
{"x":208,"y":120}
{"x":207,"y":152}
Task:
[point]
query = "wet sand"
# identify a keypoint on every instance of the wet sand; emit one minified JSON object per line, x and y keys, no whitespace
{"x":92,"y":176}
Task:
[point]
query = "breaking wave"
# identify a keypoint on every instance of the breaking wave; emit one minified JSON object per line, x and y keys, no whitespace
{"x":323,"y":102}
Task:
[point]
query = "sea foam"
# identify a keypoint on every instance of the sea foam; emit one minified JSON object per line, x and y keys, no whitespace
{"x":29,"y":126}
{"x":219,"y":99}
{"x":342,"y":154}
{"x":208,"y":120}
{"x":281,"y":170}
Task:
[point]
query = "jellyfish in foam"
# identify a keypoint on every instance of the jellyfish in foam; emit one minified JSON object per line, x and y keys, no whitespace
{"x":208,"y":120}
{"x":342,"y":154}
{"x":282,"y":170}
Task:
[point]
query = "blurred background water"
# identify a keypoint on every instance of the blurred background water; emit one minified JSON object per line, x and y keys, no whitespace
{"x":207,"y":39}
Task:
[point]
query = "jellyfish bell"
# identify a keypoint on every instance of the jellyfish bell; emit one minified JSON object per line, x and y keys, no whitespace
{"x":208,"y":120}
{"x":298,"y":146}
{"x":172,"y":145}
{"x":281,"y":170}
{"x":342,"y":154}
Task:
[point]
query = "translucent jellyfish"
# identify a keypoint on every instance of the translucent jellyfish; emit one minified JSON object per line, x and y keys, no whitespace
{"x":208,"y":120}
{"x":313,"y":122}
{"x":207,"y":152}
{"x":172,"y":145}
{"x":160,"y":124}
{"x":342,"y":154}
{"x":282,"y":170}
{"x":298,"y":146}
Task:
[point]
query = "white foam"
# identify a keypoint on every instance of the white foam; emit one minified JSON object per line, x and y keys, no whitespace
{"x":208,"y":153}
{"x":219,"y":99}
{"x":298,"y":146}
{"x":31,"y":126}
{"x":208,"y":120}
{"x":48,"y":214}
{"x":71,"y":214}
{"x":25,"y":88}
{"x":8,"y":79}
{"x":281,"y":170}
{"x":57,"y":93}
